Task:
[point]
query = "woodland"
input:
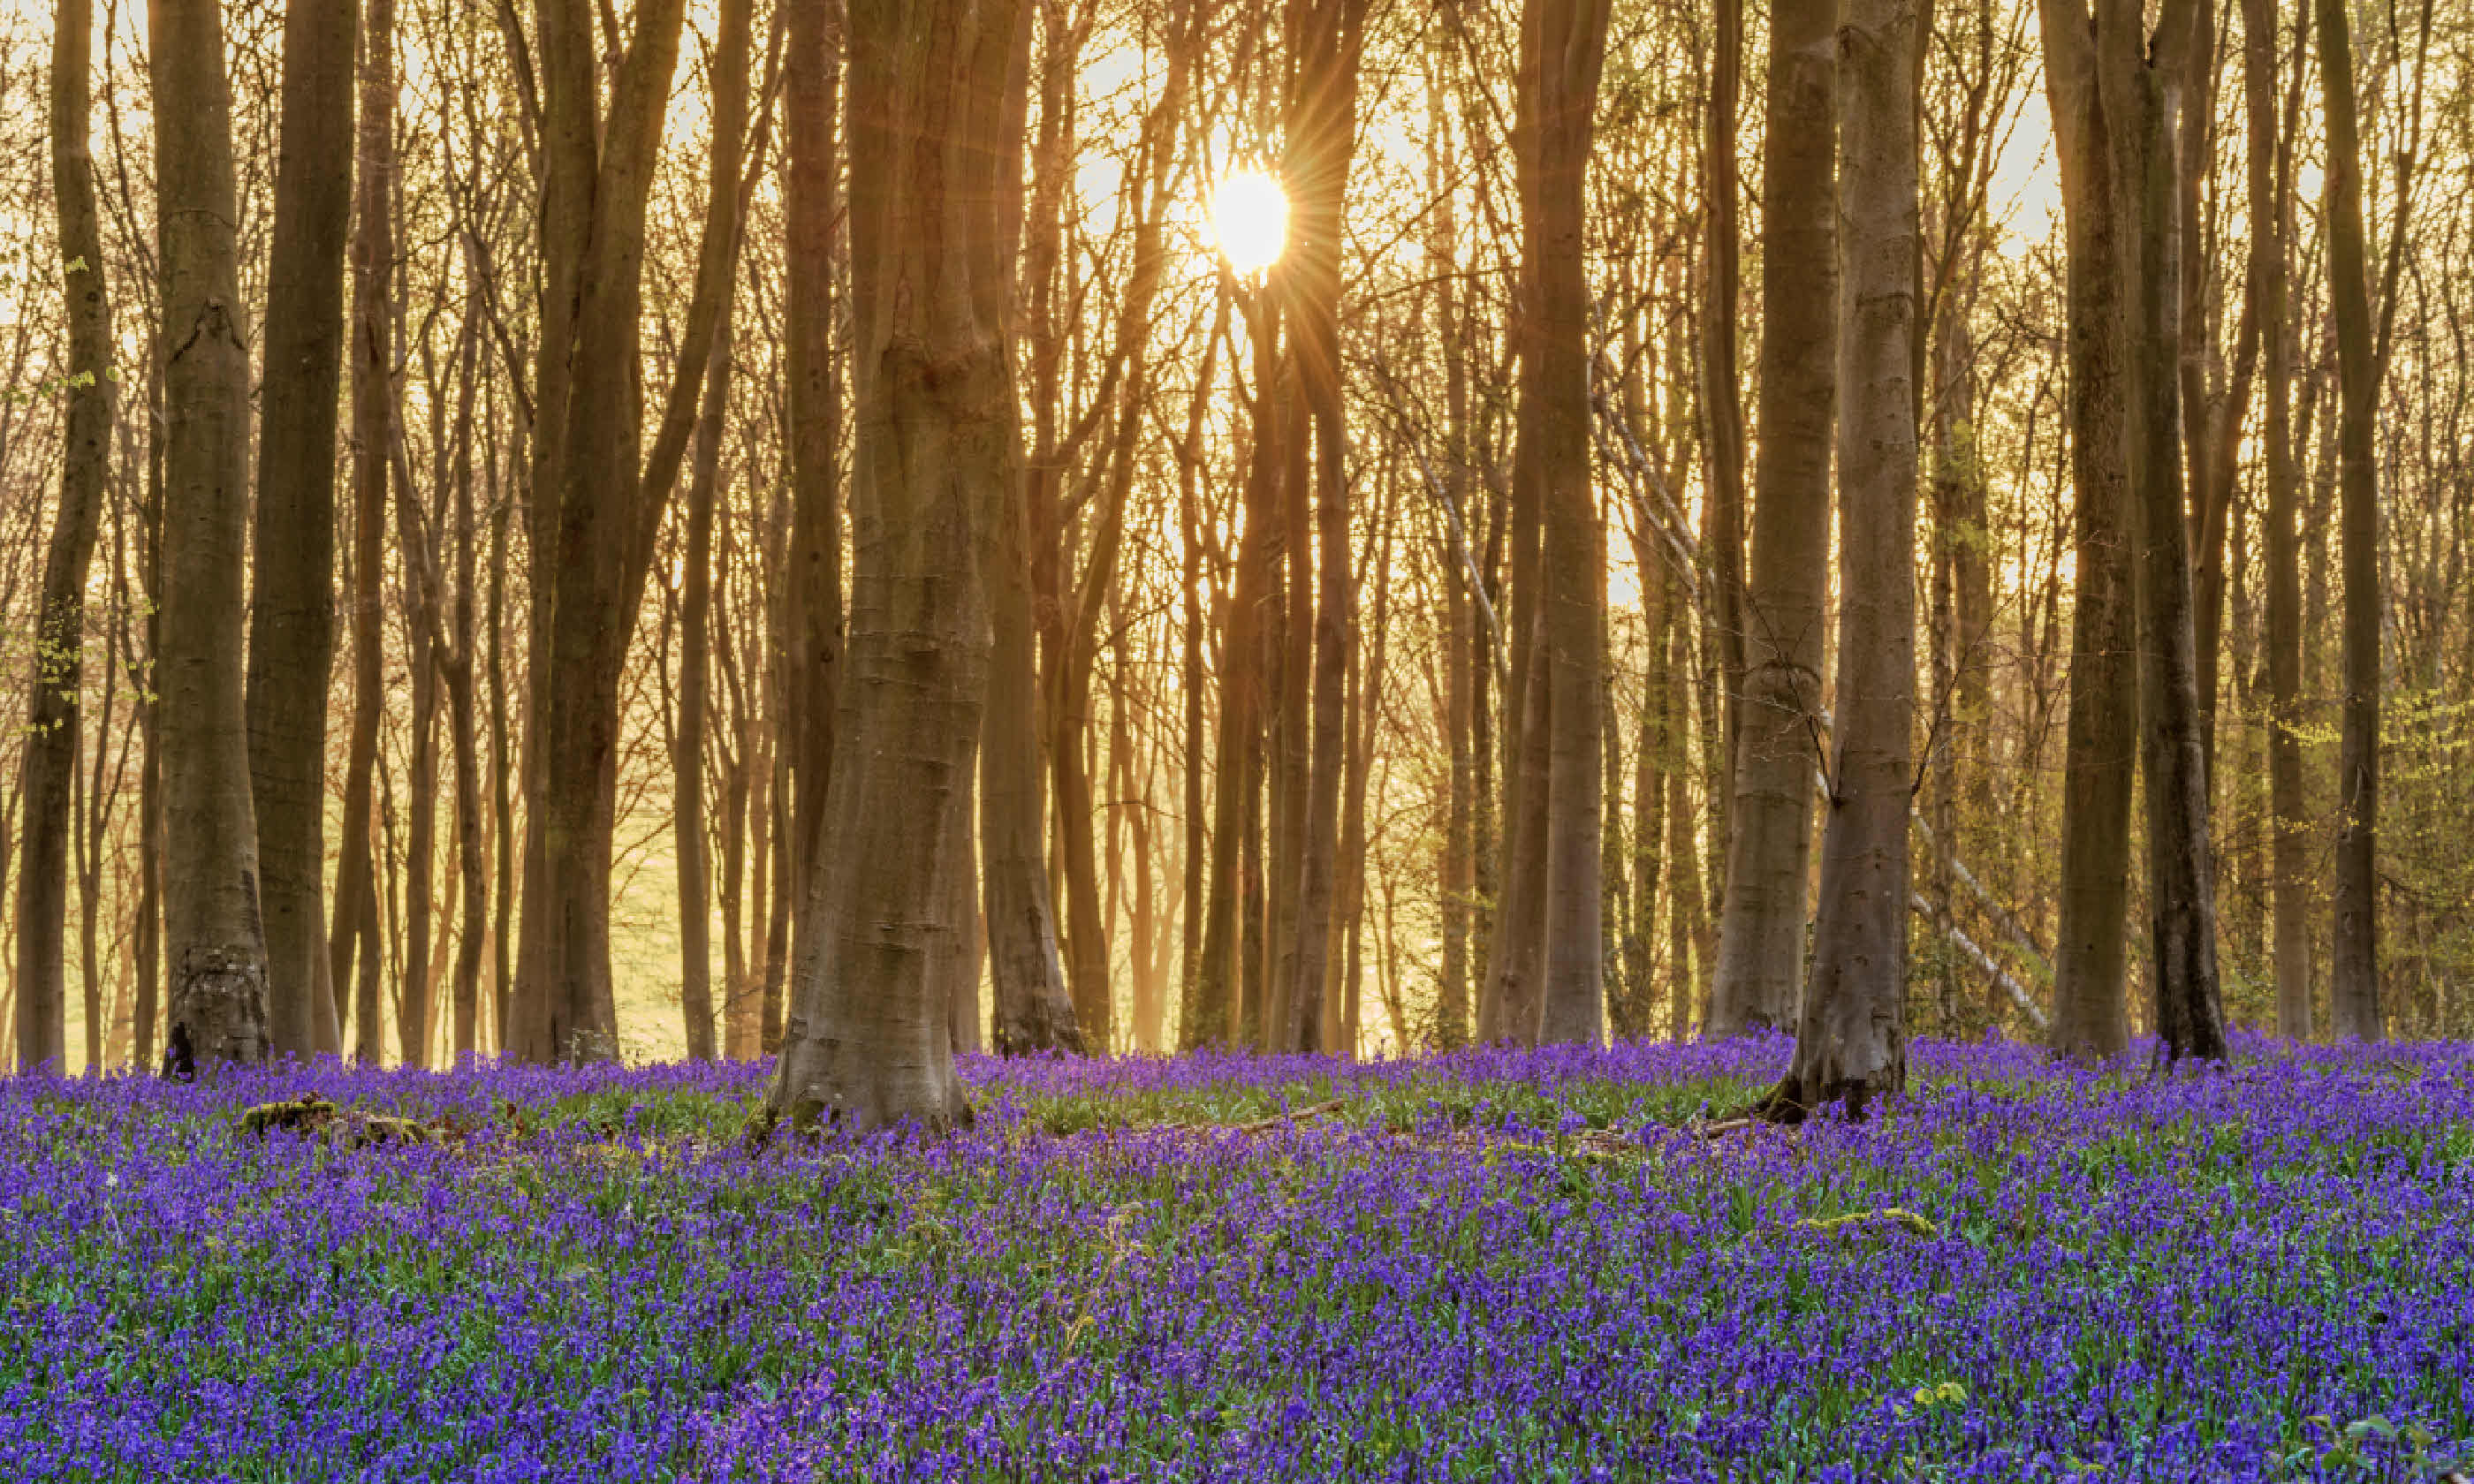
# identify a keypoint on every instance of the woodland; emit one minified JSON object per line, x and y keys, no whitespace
{"x":1350,"y":527}
{"x":1236,"y":739}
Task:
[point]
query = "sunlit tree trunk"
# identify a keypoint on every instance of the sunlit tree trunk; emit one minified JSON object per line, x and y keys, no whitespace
{"x":292,"y":608}
{"x":53,"y":717}
{"x":1567,"y":40}
{"x":1321,"y":137}
{"x":2354,"y":984}
{"x":214,"y":947}
{"x":1776,"y":716}
{"x":867,"y":1043}
{"x":1851,"y":1030}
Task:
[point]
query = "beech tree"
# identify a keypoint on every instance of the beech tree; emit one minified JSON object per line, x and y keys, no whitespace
{"x":52,"y":719}
{"x":214,"y":947}
{"x":867,"y":1042}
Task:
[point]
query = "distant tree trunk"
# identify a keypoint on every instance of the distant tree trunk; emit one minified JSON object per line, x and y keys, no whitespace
{"x":2138,"y":81}
{"x":459,"y":667}
{"x":52,"y":719}
{"x":812,"y":657}
{"x":1566,"y":45}
{"x":1721,"y":394}
{"x":353,"y":952}
{"x":2271,"y":212}
{"x":696,"y":648}
{"x":1322,"y":138}
{"x":1033,"y":1012}
{"x":1851,"y":1030}
{"x":600,"y":548}
{"x":1219,"y":1008}
{"x":868,"y":1041}
{"x":291,"y":605}
{"x":215,"y":946}
{"x":2354,"y":983}
{"x":2091,"y":1012}
{"x":1777,"y":717}
{"x":1461,"y":658}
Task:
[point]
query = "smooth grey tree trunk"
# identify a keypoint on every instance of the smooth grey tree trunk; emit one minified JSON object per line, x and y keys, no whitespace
{"x":214,"y":942}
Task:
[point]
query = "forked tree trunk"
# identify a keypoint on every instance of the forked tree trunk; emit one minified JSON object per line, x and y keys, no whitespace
{"x":1776,"y":716}
{"x":1851,"y":1030}
{"x":291,"y":605}
{"x":53,"y":718}
{"x":2354,"y":983}
{"x":867,"y":1043}
{"x":2091,"y":1012}
{"x":214,"y":947}
{"x":2138,"y":82}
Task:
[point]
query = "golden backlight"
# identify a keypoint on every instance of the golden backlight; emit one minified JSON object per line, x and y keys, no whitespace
{"x":1249,"y":218}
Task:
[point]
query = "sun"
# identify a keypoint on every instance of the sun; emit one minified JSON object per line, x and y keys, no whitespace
{"x":1249,"y":218}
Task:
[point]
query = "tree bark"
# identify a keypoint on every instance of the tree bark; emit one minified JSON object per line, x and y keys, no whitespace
{"x":1851,"y":1030}
{"x":2354,"y":984}
{"x":1776,"y":716}
{"x":2091,"y":1016}
{"x":292,"y":607}
{"x":53,"y":718}
{"x":812,"y":657}
{"x":2139,"y":81}
{"x":2272,"y":214}
{"x":867,"y":1043}
{"x":1567,"y":44}
{"x":215,"y":944}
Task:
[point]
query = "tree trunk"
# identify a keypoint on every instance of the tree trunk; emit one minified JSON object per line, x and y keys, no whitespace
{"x":1851,"y":1030}
{"x":2354,"y":984}
{"x":2139,"y":83}
{"x":868,"y":1042}
{"x":52,"y":719}
{"x":593,"y":564}
{"x":2091,"y":1016}
{"x":1567,"y":42}
{"x":1776,"y":716}
{"x":292,"y":607}
{"x":1321,"y":137}
{"x":695,"y":648}
{"x":2271,"y":217}
{"x":214,"y":945}
{"x":811,"y":658}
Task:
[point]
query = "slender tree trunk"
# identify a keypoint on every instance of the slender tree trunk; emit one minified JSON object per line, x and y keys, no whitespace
{"x":52,"y":719}
{"x":868,"y":1041}
{"x":1320,"y":140}
{"x":1721,"y":396}
{"x":2091,"y":1009}
{"x":595,"y":564}
{"x":1851,"y":1032}
{"x":353,"y":953}
{"x":215,"y":948}
{"x":2354,"y":984}
{"x":292,"y":605}
{"x":2270,"y":216}
{"x":696,"y":648}
{"x":1776,"y":716}
{"x":812,"y":657}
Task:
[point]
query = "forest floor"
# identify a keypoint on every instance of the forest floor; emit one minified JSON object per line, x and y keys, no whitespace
{"x":1497,"y":1265}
